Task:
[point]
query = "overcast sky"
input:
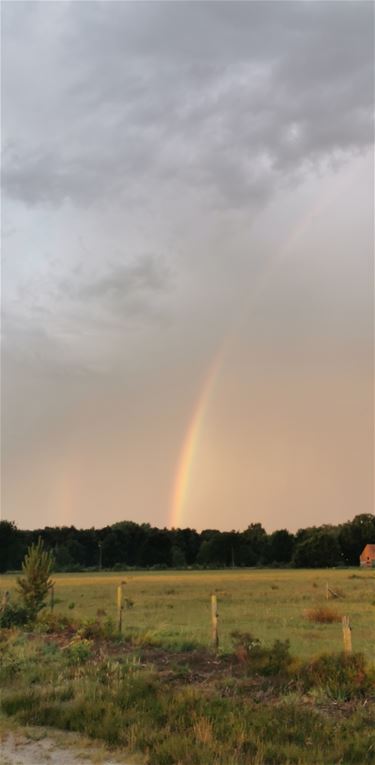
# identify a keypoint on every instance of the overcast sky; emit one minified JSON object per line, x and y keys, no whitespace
{"x":183,"y":180}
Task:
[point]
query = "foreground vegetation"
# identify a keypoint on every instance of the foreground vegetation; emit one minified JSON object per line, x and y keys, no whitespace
{"x":152,"y":686}
{"x":256,"y":705}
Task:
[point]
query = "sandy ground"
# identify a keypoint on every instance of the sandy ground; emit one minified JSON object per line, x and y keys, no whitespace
{"x":56,"y":749}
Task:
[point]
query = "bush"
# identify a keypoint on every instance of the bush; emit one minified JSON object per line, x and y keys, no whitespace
{"x":13,"y":615}
{"x":342,"y":676}
{"x":79,"y":650}
{"x":93,"y":628}
{"x":119,"y":567}
{"x":260,"y":659}
{"x":322,"y":615}
{"x":50,"y":622}
{"x":244,"y":643}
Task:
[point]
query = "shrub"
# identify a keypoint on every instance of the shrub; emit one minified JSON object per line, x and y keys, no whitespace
{"x":322,"y":615}
{"x":244,"y":643}
{"x":49,"y":623}
{"x":278,"y":658}
{"x":119,"y":567}
{"x":341,"y":676}
{"x":93,"y":628}
{"x":260,"y":659}
{"x":13,"y":615}
{"x":79,"y":650}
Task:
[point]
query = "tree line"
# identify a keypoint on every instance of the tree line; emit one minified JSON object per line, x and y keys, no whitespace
{"x":132,"y":545}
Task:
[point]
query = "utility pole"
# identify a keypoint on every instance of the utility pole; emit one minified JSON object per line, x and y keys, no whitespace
{"x":100,"y":555}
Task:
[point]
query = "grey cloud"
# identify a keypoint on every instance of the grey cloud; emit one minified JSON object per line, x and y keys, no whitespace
{"x":128,"y":289}
{"x":32,"y":352}
{"x":144,"y":274}
{"x":202,"y":94}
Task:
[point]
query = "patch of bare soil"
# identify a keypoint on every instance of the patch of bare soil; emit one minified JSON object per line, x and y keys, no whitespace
{"x":62,"y":749}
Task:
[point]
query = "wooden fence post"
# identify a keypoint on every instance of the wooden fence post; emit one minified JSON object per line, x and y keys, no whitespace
{"x":214,"y":622}
{"x":347,"y":634}
{"x":330,"y":593}
{"x":119,"y":607}
{"x":52,"y":598}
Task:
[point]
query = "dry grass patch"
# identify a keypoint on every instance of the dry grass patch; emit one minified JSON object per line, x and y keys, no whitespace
{"x":322,"y":615}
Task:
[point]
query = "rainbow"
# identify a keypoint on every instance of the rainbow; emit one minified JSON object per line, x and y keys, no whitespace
{"x":189,"y":446}
{"x":194,"y":429}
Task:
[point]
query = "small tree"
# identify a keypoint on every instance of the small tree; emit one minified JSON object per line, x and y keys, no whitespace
{"x":33,"y":587}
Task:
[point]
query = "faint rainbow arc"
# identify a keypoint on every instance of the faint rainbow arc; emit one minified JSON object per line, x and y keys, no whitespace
{"x":190,"y":441}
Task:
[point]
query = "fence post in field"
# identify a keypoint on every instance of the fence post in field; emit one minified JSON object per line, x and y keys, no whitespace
{"x":331,"y":593}
{"x":347,"y":634}
{"x":214,"y":622}
{"x":119,"y":607}
{"x":5,"y":599}
{"x":52,"y":598}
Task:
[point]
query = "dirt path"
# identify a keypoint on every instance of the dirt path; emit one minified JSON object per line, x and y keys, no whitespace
{"x":59,"y":749}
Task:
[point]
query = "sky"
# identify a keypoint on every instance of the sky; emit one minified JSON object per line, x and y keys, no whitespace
{"x":187,"y":273}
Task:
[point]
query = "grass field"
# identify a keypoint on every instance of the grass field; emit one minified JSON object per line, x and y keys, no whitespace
{"x":174,"y":607}
{"x":159,"y":692}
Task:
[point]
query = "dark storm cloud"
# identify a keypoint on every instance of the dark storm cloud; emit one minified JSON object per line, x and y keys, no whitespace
{"x":121,"y":100}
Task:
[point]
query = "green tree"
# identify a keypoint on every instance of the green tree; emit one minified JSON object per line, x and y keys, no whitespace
{"x":178,"y":557}
{"x":255,"y":538}
{"x":281,"y":545}
{"x":354,"y":535}
{"x":319,"y":550}
{"x":8,"y":544}
{"x":35,"y":583}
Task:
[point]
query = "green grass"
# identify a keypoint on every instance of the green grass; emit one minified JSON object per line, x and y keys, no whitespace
{"x":174,"y":607}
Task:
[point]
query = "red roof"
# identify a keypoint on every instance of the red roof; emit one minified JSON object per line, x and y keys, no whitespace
{"x":368,"y":552}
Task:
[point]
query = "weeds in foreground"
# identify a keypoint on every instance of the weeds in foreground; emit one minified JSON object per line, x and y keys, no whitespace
{"x":185,"y":726}
{"x":261,"y":707}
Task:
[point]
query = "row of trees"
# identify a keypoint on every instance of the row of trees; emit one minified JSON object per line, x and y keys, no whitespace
{"x":128,"y":544}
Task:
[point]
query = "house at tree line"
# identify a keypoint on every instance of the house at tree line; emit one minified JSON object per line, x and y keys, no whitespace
{"x":367,"y":556}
